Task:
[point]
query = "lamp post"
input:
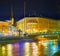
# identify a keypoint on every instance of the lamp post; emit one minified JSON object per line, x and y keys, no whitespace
{"x":19,"y":31}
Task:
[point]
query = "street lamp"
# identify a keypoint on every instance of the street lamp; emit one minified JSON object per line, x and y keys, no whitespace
{"x":19,"y":31}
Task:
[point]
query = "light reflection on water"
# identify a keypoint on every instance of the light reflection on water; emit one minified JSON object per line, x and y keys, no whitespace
{"x":41,"y":48}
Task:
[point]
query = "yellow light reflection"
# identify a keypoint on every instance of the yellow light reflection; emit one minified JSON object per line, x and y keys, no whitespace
{"x":45,"y":43}
{"x":54,"y":41}
{"x":9,"y":50}
{"x":0,"y":50}
{"x":3,"y":50}
{"x":40,"y":46}
{"x":27,"y":49}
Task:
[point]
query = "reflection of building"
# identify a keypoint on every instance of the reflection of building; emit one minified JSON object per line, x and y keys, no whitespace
{"x":36,"y":24}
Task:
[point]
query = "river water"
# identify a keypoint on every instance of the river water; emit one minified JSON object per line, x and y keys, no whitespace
{"x":40,"y":48}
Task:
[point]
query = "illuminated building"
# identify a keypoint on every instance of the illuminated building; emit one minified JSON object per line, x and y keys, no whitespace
{"x":37,"y":24}
{"x":28,"y":25}
{"x":7,"y":27}
{"x":4,"y":26}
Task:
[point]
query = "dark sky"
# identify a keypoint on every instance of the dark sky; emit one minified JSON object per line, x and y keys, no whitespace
{"x":44,"y":8}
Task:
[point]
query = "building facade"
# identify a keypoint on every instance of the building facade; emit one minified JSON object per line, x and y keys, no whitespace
{"x":7,"y":28}
{"x":4,"y":26}
{"x":37,"y":24}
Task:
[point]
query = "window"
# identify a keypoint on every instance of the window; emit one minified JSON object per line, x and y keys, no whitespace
{"x":32,"y":21}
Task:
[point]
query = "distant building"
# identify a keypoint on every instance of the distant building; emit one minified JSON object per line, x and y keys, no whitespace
{"x":37,"y":24}
{"x":4,"y":26}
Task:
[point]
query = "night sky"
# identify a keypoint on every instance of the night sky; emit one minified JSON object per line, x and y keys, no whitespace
{"x":43,"y":8}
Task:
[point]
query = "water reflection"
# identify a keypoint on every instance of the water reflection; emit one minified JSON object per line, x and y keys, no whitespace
{"x":40,"y":48}
{"x":9,"y":50}
{"x":53,"y":46}
{"x":34,"y":49}
{"x":15,"y":49}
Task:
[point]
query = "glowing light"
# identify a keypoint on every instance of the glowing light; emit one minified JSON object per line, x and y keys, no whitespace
{"x":40,"y":46}
{"x":39,"y":42}
{"x":16,"y":45}
{"x":28,"y":30}
{"x":45,"y":43}
{"x":12,"y":20}
{"x":46,"y":50}
{"x":34,"y":29}
{"x":53,"y":46}
{"x":54,"y":49}
{"x":3,"y":50}
{"x":42,"y":36}
{"x":9,"y":47}
{"x":45,"y":30}
{"x":27,"y":49}
{"x":34,"y":49}
{"x":16,"y":49}
{"x":21,"y":49}
{"x":55,"y":41}
{"x":0,"y":50}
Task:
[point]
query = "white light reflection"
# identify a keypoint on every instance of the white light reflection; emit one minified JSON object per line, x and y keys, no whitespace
{"x":27,"y":49}
{"x":9,"y":50}
{"x":34,"y":49}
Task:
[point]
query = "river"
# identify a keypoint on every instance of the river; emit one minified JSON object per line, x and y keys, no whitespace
{"x":40,"y":48}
